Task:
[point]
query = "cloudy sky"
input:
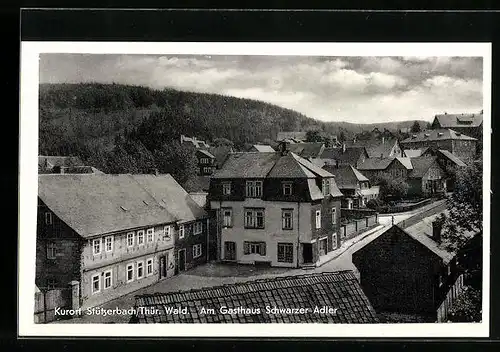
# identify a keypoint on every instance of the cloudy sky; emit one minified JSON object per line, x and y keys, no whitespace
{"x":354,"y":89}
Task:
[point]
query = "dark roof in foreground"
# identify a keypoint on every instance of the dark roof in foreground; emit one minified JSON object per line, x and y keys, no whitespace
{"x":95,"y":204}
{"x":339,"y":290}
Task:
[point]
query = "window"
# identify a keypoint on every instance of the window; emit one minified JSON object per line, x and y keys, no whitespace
{"x":108,"y":243}
{"x":51,"y":283}
{"x":254,"y":218}
{"x":96,"y":246}
{"x":48,"y":218}
{"x":149,"y":267}
{"x":51,"y":250}
{"x":334,"y":215}
{"x":181,"y":231}
{"x":197,"y":251}
{"x":140,"y":270}
{"x":318,"y":219}
{"x":130,"y":239}
{"x":150,"y":235}
{"x":326,"y":186}
{"x":287,"y":219}
{"x":204,"y":160}
{"x":226,"y":188}
{"x":255,"y":248}
{"x":254,"y":189}
{"x":285,"y":252}
{"x":96,"y":283}
{"x":207,"y":170}
{"x":287,"y":189}
{"x":140,"y":237}
{"x":108,"y":279}
{"x":230,"y":250}
{"x":198,"y":227}
{"x":227,"y":217}
{"x":167,"y":234}
{"x":130,"y":272}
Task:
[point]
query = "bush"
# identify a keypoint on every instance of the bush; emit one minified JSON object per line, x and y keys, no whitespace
{"x":467,"y":307}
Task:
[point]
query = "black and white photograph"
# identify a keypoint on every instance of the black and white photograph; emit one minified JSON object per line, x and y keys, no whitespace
{"x":227,"y":184}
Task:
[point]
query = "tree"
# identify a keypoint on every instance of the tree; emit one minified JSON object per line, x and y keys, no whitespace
{"x":342,"y":137}
{"x":415,"y":128}
{"x":467,"y":306}
{"x":218,"y":142}
{"x":313,"y":136}
{"x":178,"y":160}
{"x":465,"y":207}
{"x":391,"y":188}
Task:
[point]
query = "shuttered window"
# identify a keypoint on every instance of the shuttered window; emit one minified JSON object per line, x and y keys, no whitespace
{"x":255,"y":248}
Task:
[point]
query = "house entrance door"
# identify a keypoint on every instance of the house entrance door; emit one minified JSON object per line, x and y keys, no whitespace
{"x":163,"y":266}
{"x":323,"y":246}
{"x":307,"y":253}
{"x":182,"y":260}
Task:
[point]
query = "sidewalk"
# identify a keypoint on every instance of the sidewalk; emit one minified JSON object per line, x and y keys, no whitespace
{"x":345,"y":246}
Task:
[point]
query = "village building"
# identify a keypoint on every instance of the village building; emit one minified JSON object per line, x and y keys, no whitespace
{"x":206,"y":162}
{"x":355,"y":187}
{"x":114,"y":234}
{"x":308,"y":150}
{"x":261,"y":148}
{"x":448,"y":162}
{"x":398,"y":167}
{"x":274,"y":208}
{"x":194,"y":142}
{"x":295,"y":136}
{"x":407,"y":270}
{"x":462,"y":146}
{"x":63,"y":164}
{"x":427,"y":178}
{"x":468,"y":124}
{"x":378,"y":148}
{"x":341,"y":156}
{"x":334,"y":297}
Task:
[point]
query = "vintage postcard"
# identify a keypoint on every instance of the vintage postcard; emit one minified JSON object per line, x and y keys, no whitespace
{"x":255,"y":189}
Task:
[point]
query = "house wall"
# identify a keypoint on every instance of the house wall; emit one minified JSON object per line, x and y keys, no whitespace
{"x":465,"y":150}
{"x":400,"y":274}
{"x":189,"y":241}
{"x":117,"y":261}
{"x":66,"y":266}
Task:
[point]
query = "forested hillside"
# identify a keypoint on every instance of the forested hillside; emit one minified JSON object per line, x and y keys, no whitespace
{"x":121,"y":128}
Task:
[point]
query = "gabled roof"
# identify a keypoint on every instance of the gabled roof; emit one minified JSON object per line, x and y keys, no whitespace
{"x":96,"y":204}
{"x":247,"y":165}
{"x":346,"y":176}
{"x":413,"y":153}
{"x":420,"y":166}
{"x":452,"y":157}
{"x":375,"y":164}
{"x":436,"y":135}
{"x":221,"y":153}
{"x":406,"y":162}
{"x":288,"y":167}
{"x":296,"y":135}
{"x":459,"y":120}
{"x":307,"y":149}
{"x":375,"y":148}
{"x":206,"y":153}
{"x":338,"y":289}
{"x":263,"y":148}
{"x":350,"y":156}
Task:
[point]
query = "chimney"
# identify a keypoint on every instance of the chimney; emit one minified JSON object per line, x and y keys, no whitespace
{"x":436,"y":231}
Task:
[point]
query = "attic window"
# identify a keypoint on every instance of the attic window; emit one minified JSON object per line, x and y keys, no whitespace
{"x":123,"y":208}
{"x":440,"y":134}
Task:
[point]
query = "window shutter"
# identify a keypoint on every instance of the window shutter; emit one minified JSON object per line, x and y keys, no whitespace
{"x":246,"y":248}
{"x":263,"y":248}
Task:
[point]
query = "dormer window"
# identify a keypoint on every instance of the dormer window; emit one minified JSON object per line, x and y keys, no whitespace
{"x":254,"y":189}
{"x":287,"y":188}
{"x":326,"y":186}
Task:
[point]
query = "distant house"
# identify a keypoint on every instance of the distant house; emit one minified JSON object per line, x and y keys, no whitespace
{"x":206,"y":162}
{"x":468,"y":124}
{"x":115,"y":234}
{"x":342,"y":156}
{"x":57,"y":164}
{"x":198,"y":144}
{"x":337,"y":294}
{"x":455,"y":142}
{"x":308,"y":150}
{"x":448,"y":162}
{"x":295,"y":136}
{"x":261,"y":148}
{"x":258,"y":194}
{"x":378,"y":148}
{"x":414,"y":153}
{"x":221,"y":153}
{"x":354,"y":186}
{"x":396,"y":167}
{"x":427,"y":178}
{"x":407,"y":270}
